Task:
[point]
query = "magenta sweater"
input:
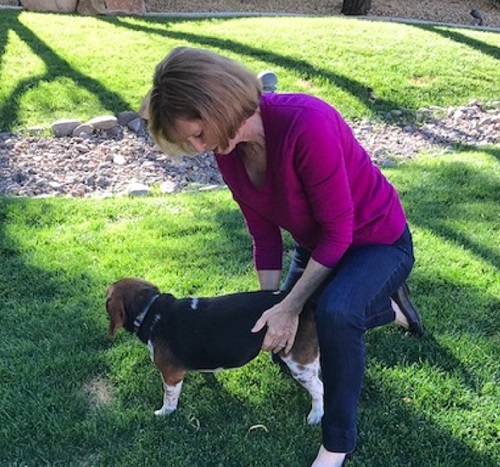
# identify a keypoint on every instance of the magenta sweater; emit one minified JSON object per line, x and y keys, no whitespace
{"x":320,"y":185}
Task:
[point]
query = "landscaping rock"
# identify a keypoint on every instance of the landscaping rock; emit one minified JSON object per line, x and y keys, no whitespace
{"x":63,"y":128}
{"x":120,"y":161}
{"x":126,"y":116}
{"x":104,"y":122}
{"x":138,"y":189}
{"x":92,"y":7}
{"x":126,"y":7}
{"x":137,"y":125}
{"x":84,"y":130}
{"x":168,"y":187}
{"x":58,"y":6}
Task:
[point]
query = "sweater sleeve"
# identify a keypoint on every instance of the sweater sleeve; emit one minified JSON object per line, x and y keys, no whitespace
{"x":322,"y":146}
{"x":267,"y":240}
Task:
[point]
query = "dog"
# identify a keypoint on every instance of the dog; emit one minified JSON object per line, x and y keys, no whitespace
{"x":208,"y":334}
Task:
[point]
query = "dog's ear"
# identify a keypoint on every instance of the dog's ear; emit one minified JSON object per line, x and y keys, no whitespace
{"x":116,"y":313}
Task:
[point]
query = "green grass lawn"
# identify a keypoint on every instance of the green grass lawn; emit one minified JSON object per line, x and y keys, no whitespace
{"x":71,"y":396}
{"x":60,"y":66}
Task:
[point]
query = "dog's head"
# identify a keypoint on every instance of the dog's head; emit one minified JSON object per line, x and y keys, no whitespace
{"x":125,"y":300}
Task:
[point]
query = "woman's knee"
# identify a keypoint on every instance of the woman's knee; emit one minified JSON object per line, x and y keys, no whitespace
{"x":336,"y":313}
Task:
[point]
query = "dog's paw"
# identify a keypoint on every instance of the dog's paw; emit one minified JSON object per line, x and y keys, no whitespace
{"x":315,"y":415}
{"x":164,"y":411}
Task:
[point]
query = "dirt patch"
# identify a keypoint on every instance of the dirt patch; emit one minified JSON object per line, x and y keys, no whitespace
{"x":446,"y":11}
{"x":99,"y":392}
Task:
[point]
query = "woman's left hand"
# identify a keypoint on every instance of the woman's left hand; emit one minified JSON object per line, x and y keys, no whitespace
{"x":282,"y":324}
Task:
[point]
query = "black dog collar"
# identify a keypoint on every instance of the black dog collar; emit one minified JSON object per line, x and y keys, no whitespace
{"x":140,"y":320}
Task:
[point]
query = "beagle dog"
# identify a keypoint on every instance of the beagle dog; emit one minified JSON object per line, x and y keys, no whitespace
{"x":209,"y":334}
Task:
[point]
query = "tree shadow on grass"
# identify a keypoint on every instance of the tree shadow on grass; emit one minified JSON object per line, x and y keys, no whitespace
{"x":57,"y":67}
{"x":456,"y":36}
{"x":50,"y":343}
{"x":402,"y":368}
{"x":301,"y":67}
{"x":393,"y":429}
{"x":435,"y":196}
{"x":492,"y":151}
{"x":438,"y":194}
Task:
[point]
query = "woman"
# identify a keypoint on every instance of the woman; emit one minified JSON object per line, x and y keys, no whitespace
{"x":291,"y":162}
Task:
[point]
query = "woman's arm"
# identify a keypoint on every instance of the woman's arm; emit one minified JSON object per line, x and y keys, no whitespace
{"x":282,"y":320}
{"x":269,"y":279}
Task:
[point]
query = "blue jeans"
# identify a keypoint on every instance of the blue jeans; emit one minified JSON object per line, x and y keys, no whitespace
{"x":354,"y":298}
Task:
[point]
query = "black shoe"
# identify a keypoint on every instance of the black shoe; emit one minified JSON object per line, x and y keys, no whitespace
{"x":402,"y":298}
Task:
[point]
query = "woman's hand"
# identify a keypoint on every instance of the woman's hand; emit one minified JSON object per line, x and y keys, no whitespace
{"x":282,"y":320}
{"x":282,"y":323}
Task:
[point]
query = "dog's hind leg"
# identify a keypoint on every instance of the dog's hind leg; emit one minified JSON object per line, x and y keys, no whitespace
{"x":307,"y":375}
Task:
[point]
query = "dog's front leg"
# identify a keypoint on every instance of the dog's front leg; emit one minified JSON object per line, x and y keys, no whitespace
{"x":172,"y":375}
{"x":170,"y":398}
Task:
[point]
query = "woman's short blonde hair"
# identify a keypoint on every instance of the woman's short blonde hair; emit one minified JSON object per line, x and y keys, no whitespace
{"x":193,"y":84}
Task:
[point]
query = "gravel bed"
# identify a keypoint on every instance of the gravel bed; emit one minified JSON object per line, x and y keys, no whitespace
{"x":444,"y":11}
{"x":119,"y":161}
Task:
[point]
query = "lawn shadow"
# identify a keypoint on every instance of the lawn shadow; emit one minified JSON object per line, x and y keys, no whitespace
{"x":300,"y":67}
{"x":46,"y":332}
{"x":56,"y":66}
{"x":437,"y":194}
{"x":460,"y":38}
{"x":389,"y":423}
{"x":407,"y":426}
{"x":492,"y":151}
{"x":4,"y":35}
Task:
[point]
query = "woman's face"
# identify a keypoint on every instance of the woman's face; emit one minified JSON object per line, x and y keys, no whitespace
{"x":194,"y":132}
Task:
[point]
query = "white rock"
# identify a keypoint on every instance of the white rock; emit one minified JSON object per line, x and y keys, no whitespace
{"x":210,"y":187}
{"x":104,"y":122}
{"x":168,"y":187}
{"x":118,"y":159}
{"x":138,"y":189}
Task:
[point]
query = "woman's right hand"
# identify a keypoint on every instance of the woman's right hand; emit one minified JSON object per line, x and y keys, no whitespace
{"x":282,"y":324}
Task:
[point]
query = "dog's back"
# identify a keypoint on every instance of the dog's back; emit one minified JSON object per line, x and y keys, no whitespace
{"x":212,"y":333}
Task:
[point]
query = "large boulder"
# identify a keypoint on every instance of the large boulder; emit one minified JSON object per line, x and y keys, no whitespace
{"x":92,"y":7}
{"x":59,"y":6}
{"x":126,"y":7}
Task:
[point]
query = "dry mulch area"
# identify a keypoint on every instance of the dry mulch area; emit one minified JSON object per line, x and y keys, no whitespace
{"x":445,"y":11}
{"x":121,"y":162}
